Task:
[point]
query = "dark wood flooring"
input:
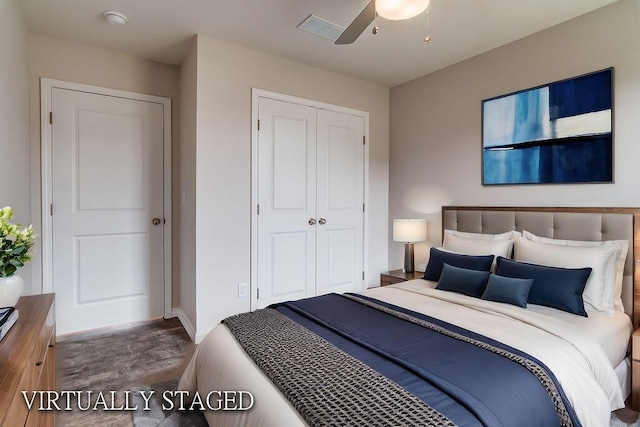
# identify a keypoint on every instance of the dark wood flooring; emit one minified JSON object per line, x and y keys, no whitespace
{"x":627,"y":414}
{"x":119,"y":359}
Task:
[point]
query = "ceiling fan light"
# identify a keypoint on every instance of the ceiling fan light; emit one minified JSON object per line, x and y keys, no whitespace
{"x":400,"y":9}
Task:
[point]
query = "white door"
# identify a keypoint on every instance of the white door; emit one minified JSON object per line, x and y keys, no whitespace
{"x":107,"y":187}
{"x":340,"y":202}
{"x":287,"y":199}
{"x":310,"y":192}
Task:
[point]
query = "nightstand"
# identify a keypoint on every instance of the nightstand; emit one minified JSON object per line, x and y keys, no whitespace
{"x":397,"y":276}
{"x":635,"y":370}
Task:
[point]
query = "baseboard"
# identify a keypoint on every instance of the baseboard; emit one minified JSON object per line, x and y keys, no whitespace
{"x":186,"y":323}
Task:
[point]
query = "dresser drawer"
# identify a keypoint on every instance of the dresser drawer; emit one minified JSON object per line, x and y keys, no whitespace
{"x":27,"y":362}
{"x":31,"y":373}
{"x":17,"y":413}
{"x":45,"y":371}
{"x":42,"y":344}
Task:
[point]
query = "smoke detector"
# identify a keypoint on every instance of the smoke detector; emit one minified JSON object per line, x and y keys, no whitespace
{"x":115,"y":18}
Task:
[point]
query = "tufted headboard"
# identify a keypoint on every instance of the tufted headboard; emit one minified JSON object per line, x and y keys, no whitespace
{"x":594,"y":224}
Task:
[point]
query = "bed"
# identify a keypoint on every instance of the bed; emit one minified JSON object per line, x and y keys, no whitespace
{"x":585,"y":357}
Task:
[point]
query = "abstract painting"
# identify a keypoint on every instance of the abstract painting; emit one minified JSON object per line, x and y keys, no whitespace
{"x":557,"y":133}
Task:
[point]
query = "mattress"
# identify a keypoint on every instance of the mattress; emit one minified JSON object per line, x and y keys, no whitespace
{"x":578,"y":360}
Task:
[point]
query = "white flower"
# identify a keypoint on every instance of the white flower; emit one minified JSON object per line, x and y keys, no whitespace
{"x":11,"y":237}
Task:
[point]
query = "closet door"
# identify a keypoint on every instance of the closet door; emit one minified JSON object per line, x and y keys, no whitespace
{"x":286,"y":235}
{"x":340,"y":199}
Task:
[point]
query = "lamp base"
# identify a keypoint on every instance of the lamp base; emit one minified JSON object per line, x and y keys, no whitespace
{"x":408,"y":258}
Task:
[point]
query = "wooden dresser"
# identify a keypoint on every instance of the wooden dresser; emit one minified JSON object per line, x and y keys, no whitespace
{"x":27,"y":362}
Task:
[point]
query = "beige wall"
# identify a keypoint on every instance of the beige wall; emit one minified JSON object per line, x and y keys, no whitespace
{"x":184,"y":289}
{"x":78,"y":63}
{"x":435,"y":121}
{"x":15,"y":175}
{"x":226,"y":74}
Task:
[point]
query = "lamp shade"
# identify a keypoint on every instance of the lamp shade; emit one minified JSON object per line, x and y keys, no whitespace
{"x":409,"y":230}
{"x":400,"y":9}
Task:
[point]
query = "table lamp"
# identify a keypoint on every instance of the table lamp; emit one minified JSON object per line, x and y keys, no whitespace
{"x":409,"y":231}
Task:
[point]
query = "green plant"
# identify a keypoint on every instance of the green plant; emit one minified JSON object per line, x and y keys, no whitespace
{"x":15,"y":243}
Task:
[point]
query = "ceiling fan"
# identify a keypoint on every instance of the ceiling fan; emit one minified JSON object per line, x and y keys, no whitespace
{"x":389,"y":9}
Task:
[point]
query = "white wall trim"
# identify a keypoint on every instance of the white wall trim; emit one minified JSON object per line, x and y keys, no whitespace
{"x":186,"y":324}
{"x":365,"y":240}
{"x":46,"y":87}
{"x":261,"y":93}
{"x":256,"y":94}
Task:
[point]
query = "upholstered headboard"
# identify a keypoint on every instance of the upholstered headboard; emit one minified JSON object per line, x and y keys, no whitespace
{"x":594,"y":224}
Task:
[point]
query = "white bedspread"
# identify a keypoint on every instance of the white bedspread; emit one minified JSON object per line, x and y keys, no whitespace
{"x":578,"y":361}
{"x":612,"y":333}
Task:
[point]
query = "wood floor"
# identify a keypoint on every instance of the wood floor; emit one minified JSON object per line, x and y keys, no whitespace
{"x":119,"y":359}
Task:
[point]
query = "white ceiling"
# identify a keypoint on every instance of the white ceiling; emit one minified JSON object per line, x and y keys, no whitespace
{"x":161,"y":30}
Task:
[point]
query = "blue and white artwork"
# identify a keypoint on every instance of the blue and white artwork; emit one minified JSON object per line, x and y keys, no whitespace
{"x":558,"y":133}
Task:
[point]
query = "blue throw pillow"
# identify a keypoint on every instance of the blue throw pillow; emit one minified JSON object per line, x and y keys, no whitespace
{"x":510,"y":290}
{"x":554,"y":287}
{"x":437,"y":258}
{"x":462,"y":280}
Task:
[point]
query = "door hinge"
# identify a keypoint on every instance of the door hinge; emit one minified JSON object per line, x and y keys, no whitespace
{"x":364,"y":140}
{"x":258,"y":208}
{"x":51,"y":209}
{"x":363,"y":275}
{"x":51,"y":117}
{"x":363,"y":207}
{"x":258,"y":124}
{"x":258,"y":290}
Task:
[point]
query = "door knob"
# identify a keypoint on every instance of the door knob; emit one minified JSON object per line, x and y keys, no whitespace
{"x":155,"y":221}
{"x":322,"y":221}
{"x":312,"y":221}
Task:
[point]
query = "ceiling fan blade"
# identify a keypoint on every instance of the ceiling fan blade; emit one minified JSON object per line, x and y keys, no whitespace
{"x":359,"y":24}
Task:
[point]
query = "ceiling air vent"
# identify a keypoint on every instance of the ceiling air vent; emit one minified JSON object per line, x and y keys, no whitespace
{"x":320,"y":27}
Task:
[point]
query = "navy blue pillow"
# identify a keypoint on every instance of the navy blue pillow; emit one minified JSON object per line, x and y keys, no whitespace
{"x":462,"y":280}
{"x":437,"y":258}
{"x":554,"y":287}
{"x":508,"y":289}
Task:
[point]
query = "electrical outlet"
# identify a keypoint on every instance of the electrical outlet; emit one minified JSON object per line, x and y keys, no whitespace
{"x":243,"y":290}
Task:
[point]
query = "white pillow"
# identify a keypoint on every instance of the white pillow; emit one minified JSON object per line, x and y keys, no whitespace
{"x":468,"y":246}
{"x":509,"y":235}
{"x":598,"y":292}
{"x":623,"y":248}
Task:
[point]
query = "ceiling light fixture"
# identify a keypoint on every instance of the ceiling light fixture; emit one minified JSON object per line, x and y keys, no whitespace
{"x":115,"y":18}
{"x":400,"y":9}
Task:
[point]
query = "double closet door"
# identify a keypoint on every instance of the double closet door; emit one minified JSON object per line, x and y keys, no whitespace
{"x":310,"y":187}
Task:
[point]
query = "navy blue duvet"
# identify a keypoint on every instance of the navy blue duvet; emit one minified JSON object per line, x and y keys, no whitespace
{"x":467,"y":383}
